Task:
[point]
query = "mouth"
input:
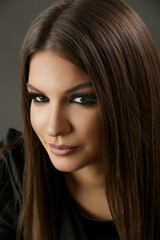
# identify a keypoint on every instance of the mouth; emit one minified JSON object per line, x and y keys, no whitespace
{"x":62,"y":150}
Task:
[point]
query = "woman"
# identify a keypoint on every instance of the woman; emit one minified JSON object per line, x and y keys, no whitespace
{"x":90,"y":88}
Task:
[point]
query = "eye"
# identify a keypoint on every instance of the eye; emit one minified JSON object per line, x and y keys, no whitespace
{"x":38,"y":98}
{"x":84,"y":99}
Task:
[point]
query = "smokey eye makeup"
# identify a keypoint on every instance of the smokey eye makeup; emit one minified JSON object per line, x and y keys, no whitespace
{"x":37,"y":97}
{"x":84,"y":99}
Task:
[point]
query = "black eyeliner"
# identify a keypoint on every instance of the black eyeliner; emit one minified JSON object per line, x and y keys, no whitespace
{"x":31,"y":96}
{"x":90,"y":97}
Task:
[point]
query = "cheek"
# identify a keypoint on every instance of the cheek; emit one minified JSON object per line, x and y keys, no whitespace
{"x":95,"y":126}
{"x":90,"y":127}
{"x":37,"y":120}
{"x":94,"y":132}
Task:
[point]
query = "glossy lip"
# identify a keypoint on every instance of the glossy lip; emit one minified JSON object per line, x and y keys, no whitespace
{"x":62,"y":150}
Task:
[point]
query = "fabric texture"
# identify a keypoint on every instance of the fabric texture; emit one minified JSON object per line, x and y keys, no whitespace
{"x":74,"y":225}
{"x":11,"y":171}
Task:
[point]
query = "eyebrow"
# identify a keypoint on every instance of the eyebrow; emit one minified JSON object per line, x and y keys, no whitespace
{"x":70,"y":90}
{"x":78,"y":87}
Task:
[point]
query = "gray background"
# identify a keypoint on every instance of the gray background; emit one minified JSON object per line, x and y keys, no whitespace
{"x":15,"y":18}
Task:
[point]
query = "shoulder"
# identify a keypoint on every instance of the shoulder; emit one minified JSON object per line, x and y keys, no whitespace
{"x":11,"y":172}
{"x":12,"y":155}
{"x":11,"y":135}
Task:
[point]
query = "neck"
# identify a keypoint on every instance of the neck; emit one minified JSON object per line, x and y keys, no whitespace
{"x":87,"y":188}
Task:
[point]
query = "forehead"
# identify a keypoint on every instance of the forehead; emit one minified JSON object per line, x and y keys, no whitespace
{"x":46,"y":67}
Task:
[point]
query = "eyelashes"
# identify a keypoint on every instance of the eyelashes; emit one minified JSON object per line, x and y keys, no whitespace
{"x":83,"y":99}
{"x":78,"y":98}
{"x":39,"y":98}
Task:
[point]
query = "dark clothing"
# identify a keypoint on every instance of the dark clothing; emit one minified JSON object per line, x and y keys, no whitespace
{"x":74,"y":225}
{"x":11,"y":170}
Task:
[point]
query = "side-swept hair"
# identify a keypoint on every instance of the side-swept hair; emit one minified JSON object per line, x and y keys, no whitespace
{"x":107,"y":40}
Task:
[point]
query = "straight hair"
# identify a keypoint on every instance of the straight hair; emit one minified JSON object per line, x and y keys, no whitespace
{"x":109,"y":42}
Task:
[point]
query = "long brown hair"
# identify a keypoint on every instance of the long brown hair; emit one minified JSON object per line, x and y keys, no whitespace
{"x":107,"y":40}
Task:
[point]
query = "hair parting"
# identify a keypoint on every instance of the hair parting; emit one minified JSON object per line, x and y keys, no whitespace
{"x":108,"y":41}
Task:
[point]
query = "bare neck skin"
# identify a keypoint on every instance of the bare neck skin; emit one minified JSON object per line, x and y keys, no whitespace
{"x":87,"y":187}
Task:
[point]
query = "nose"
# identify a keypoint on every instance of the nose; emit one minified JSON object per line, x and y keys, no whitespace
{"x":58,"y":122}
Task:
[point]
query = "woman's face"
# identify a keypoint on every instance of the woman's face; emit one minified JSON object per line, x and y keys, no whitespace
{"x":64,"y":112}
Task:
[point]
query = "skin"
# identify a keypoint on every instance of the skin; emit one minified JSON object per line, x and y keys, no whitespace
{"x":58,"y":120}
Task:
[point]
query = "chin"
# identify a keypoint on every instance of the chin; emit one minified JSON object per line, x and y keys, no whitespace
{"x":65,"y":164}
{"x":65,"y":168}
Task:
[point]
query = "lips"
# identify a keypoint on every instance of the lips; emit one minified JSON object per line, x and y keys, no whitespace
{"x":62,"y":150}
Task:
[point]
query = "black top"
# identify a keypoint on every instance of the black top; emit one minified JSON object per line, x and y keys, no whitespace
{"x":96,"y":230}
{"x":74,"y":225}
